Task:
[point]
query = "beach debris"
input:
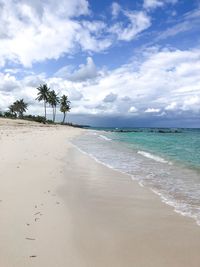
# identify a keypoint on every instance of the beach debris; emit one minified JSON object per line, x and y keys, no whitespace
{"x":28,"y":224}
{"x":36,"y":219}
{"x":37,"y":213}
{"x":57,"y":202}
{"x":33,"y":256}
{"x":29,"y":238}
{"x":35,"y":206}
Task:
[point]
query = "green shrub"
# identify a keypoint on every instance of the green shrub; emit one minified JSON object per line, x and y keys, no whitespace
{"x":8,"y":114}
{"x":39,"y":119}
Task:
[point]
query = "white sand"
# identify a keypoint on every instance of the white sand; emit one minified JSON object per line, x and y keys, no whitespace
{"x":80,"y":213}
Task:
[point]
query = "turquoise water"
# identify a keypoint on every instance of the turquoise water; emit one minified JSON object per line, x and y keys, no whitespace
{"x":182,"y":146}
{"x":165,"y":160}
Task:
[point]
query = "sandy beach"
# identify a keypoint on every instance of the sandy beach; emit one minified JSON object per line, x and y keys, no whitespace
{"x":59,"y":207}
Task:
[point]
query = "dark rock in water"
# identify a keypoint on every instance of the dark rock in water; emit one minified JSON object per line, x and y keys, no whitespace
{"x":125,"y":131}
{"x":163,"y":131}
{"x":168,"y":131}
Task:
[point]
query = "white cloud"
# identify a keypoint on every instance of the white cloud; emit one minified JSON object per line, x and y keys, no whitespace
{"x":8,"y":83}
{"x":91,"y":37}
{"x":189,"y":21}
{"x":171,"y":106}
{"x":84,"y":72}
{"x":132,"y":109}
{"x":34,"y":80}
{"x":138,"y":22}
{"x":64,"y":72}
{"x":61,"y":8}
{"x":192,"y":102}
{"x":152,"y":110}
{"x":151,"y":4}
{"x":115,"y":9}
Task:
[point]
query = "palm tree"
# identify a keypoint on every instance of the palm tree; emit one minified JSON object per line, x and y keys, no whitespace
{"x":22,"y":107}
{"x":12,"y":110}
{"x":64,"y":106}
{"x":19,"y":107}
{"x":53,"y":100}
{"x":43,"y":95}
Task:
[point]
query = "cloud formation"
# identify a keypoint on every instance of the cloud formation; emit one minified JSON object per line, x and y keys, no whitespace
{"x":110,"y":98}
{"x":152,"y":110}
{"x":132,"y":109}
{"x":138,"y":21}
{"x":152,"y":4}
{"x":115,"y":9}
{"x":165,"y":82}
{"x":190,"y":21}
{"x":35,"y":31}
{"x":156,"y":81}
{"x":83,"y":73}
{"x":32,"y":31}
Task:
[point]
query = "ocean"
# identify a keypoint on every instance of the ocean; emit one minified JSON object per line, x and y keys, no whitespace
{"x":165,"y":160}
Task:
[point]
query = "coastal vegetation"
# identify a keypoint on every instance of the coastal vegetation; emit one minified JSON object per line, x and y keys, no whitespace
{"x":48,"y":97}
{"x":18,"y":108}
{"x":64,"y":106}
{"x":43,"y":95}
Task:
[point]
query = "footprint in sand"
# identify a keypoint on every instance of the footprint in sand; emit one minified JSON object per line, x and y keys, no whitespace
{"x":30,"y":238}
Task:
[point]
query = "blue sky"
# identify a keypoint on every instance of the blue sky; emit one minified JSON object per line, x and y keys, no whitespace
{"x":130,"y":63}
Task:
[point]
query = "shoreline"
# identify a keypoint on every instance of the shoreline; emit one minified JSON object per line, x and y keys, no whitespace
{"x":176,"y":169}
{"x":161,"y":197}
{"x":61,"y":208}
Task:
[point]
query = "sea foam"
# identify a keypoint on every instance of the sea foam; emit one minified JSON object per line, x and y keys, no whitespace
{"x":154,"y":157}
{"x":104,"y":137}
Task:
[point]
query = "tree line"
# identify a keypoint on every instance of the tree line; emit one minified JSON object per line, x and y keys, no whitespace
{"x":48,"y":97}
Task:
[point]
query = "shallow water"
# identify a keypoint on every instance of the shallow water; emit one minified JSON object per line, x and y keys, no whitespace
{"x":167,"y":162}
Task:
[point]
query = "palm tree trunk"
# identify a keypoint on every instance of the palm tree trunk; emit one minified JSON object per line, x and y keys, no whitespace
{"x":45,"y":110}
{"x":55,"y":114}
{"x":64,"y":114}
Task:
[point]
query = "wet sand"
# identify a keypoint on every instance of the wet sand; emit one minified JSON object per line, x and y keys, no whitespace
{"x":58,"y":208}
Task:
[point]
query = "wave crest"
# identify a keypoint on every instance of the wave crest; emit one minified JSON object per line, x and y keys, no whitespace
{"x":154,"y":157}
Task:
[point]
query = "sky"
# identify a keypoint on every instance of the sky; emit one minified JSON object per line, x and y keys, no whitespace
{"x":121,"y":63}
